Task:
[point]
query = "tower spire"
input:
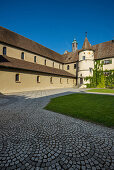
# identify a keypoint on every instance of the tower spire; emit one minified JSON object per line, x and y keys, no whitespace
{"x":85,"y":34}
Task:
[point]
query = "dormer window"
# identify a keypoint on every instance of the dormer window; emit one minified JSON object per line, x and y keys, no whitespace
{"x":34,"y":59}
{"x":22,"y":55}
{"x":4,"y":50}
{"x":83,"y":58}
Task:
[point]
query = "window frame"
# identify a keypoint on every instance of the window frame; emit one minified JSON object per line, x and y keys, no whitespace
{"x":22,"y":56}
{"x":4,"y":50}
{"x":83,"y":57}
{"x":60,"y":80}
{"x":17,"y":79}
{"x":38,"y":79}
{"x":68,"y":67}
{"x":74,"y":66}
{"x":51,"y":80}
{"x":34,"y":59}
{"x":45,"y":62}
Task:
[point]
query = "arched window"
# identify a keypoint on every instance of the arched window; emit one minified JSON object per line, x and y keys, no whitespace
{"x":51,"y":80}
{"x":17,"y":78}
{"x":68,"y":67}
{"x":59,"y":66}
{"x":35,"y":59}
{"x":44,"y":62}
{"x":22,"y":55}
{"x":38,"y":79}
{"x":53,"y":64}
{"x":4,"y":50}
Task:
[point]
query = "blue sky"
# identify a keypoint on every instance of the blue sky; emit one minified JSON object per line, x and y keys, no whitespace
{"x":54,"y":23}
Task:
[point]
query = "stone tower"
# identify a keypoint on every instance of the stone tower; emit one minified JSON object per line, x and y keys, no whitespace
{"x":86,"y":63}
{"x":74,"y":46}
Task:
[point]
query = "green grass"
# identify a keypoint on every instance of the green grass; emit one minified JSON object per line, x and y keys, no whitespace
{"x":101,"y":90}
{"x":90,"y":107}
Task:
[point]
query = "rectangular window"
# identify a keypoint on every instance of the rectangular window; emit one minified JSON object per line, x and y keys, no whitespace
{"x":83,"y":58}
{"x":38,"y":79}
{"x":74,"y":66}
{"x":59,"y":66}
{"x":17,"y":77}
{"x":68,"y":67}
{"x":60,"y":80}
{"x":67,"y":81}
{"x":107,"y":62}
{"x":22,"y":55}
{"x":53,"y":64}
{"x":51,"y":80}
{"x":4,"y":50}
{"x":45,"y":62}
{"x":34,"y":59}
{"x":90,"y":69}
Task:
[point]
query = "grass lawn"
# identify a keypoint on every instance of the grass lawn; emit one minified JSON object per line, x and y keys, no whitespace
{"x":90,"y":107}
{"x":102,"y":90}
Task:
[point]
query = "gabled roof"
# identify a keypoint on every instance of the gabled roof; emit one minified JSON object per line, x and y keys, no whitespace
{"x":104,"y":50}
{"x":10,"y":62}
{"x":14,"y":39}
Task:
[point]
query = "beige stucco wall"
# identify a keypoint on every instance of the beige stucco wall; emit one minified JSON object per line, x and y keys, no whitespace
{"x":71,"y":68}
{"x":16,"y":53}
{"x":28,"y":81}
{"x":85,"y":65}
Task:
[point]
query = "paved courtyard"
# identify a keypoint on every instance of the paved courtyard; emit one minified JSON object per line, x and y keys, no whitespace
{"x":34,"y":138}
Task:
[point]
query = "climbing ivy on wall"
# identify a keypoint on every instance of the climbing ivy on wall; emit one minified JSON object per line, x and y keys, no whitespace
{"x":100,"y":79}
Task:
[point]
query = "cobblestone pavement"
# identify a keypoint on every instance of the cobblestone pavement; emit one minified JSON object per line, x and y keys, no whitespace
{"x":33,"y":138}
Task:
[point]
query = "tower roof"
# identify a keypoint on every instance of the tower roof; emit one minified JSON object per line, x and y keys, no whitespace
{"x":86,"y":45}
{"x":74,"y":41}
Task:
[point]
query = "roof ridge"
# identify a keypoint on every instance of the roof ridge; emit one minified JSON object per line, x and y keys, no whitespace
{"x":29,"y":39}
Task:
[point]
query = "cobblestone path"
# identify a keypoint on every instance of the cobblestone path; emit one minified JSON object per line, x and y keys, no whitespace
{"x":33,"y":138}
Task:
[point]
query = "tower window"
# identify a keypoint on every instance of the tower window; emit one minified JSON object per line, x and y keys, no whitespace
{"x":90,"y":69}
{"x":68,"y":67}
{"x":83,"y":58}
{"x":38,"y":79}
{"x":74,"y":66}
{"x":4,"y":50}
{"x":22,"y":55}
{"x":17,"y":78}
{"x":45,"y":62}
{"x":35,"y":59}
{"x":51,"y":80}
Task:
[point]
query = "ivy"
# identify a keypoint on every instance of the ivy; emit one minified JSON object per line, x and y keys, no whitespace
{"x":99,"y":79}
